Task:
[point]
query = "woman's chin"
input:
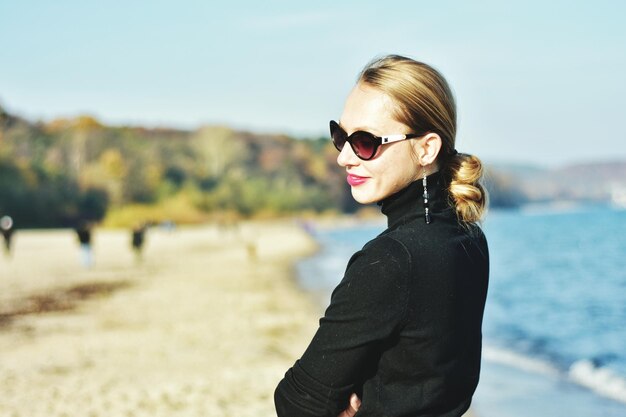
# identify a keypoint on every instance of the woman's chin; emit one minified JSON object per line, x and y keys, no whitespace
{"x":362,"y":196}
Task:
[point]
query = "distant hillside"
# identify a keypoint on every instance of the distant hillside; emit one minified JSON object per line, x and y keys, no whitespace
{"x":68,"y":171}
{"x":583,"y":182}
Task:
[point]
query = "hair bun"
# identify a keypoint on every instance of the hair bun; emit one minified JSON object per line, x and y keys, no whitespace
{"x":466,"y":189}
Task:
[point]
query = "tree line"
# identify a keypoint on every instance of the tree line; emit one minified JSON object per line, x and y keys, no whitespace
{"x":61,"y":172}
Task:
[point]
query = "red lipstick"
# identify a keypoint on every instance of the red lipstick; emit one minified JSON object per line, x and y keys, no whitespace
{"x":355,"y":180}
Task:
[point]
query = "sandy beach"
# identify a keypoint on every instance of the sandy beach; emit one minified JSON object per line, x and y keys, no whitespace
{"x":205,"y":325}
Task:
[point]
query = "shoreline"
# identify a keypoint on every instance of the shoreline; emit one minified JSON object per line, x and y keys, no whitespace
{"x":209,"y":323}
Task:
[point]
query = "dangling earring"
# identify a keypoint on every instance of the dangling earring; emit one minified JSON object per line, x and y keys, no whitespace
{"x":425,"y":195}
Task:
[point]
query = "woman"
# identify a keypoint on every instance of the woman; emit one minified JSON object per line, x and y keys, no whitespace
{"x":402,"y":334}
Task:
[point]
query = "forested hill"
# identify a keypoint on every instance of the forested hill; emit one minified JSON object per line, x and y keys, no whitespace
{"x":61,"y":172}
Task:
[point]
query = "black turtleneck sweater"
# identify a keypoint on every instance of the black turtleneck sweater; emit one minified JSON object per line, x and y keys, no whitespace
{"x":403,"y":329}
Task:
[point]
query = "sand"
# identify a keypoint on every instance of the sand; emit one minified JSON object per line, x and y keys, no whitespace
{"x":205,"y":325}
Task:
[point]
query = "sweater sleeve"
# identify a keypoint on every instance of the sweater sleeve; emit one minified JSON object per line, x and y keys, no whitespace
{"x":365,"y":311}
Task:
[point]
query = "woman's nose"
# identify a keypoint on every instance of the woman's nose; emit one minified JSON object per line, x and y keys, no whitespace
{"x":347,"y":157}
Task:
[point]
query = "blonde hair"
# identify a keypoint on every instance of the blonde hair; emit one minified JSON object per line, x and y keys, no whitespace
{"x":425,"y":103}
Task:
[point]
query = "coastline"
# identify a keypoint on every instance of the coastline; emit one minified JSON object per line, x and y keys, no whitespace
{"x":207,"y":324}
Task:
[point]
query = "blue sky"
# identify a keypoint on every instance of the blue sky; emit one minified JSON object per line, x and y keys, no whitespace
{"x":535,"y":81}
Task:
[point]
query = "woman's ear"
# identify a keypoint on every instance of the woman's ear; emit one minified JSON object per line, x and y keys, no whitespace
{"x":427,"y":148}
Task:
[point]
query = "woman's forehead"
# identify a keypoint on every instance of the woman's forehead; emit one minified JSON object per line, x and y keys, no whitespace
{"x":369,"y":109}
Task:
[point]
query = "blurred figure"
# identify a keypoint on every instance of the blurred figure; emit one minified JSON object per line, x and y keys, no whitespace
{"x":6,"y":226}
{"x":138,"y":238}
{"x":168,"y":225}
{"x":251,"y":248}
{"x":83,"y":231}
{"x":308,"y":226}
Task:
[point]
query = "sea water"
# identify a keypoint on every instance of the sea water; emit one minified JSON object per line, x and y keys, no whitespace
{"x":554,"y":330}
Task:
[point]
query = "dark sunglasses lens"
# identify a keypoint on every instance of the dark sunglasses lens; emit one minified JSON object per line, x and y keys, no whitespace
{"x":338,"y":136}
{"x":363,"y":145}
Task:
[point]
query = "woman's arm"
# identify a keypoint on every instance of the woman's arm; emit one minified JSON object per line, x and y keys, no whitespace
{"x":366,"y":309}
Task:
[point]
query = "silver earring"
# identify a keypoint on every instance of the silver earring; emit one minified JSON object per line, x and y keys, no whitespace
{"x":425,"y":195}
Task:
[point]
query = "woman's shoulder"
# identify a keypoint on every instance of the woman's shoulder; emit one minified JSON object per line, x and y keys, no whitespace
{"x":388,"y":244}
{"x":381,"y":269}
{"x":425,"y":241}
{"x":382,"y":253}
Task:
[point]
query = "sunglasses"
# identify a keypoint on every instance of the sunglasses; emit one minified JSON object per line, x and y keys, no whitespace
{"x":363,"y":144}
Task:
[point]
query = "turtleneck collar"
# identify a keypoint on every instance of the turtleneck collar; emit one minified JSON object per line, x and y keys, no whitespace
{"x":408,"y":203}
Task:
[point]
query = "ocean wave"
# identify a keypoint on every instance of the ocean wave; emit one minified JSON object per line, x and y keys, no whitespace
{"x":517,"y":360}
{"x":599,"y":379}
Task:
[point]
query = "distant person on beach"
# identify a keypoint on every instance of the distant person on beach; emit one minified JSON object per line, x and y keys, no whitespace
{"x":402,"y":333}
{"x":137,"y":240}
{"x":6,"y":226}
{"x":83,"y":232}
